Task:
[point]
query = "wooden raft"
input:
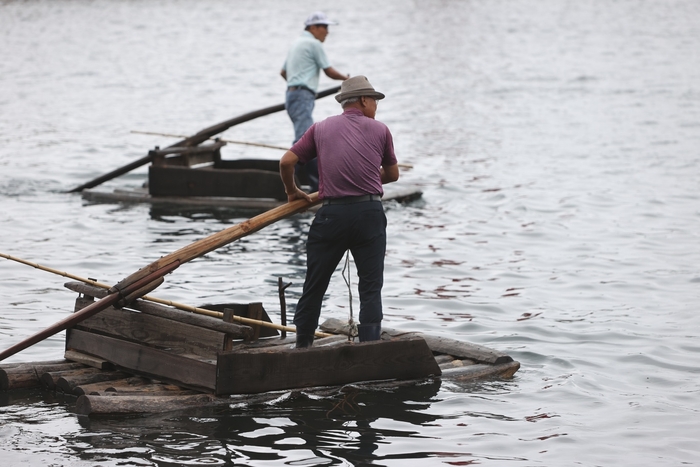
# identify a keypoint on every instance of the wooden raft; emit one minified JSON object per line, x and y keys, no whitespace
{"x":198,"y":352}
{"x":133,"y":361}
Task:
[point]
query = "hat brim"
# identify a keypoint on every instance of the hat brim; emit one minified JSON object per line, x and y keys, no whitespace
{"x":359,"y":93}
{"x":324,"y":23}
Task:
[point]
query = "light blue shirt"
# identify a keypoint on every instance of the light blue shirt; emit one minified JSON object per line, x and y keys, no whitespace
{"x":305,"y":60}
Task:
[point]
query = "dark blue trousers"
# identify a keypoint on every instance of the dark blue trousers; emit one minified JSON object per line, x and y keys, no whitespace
{"x":300,"y":106}
{"x":360,"y":228}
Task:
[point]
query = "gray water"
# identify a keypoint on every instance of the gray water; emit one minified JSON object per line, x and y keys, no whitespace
{"x":557,"y":145}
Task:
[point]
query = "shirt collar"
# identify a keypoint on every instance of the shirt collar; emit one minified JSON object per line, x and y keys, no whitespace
{"x":352,"y":110}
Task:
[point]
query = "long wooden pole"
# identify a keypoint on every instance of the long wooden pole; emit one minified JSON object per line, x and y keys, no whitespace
{"x":141,"y":282}
{"x":195,"y":139}
{"x":86,"y":312}
{"x":181,"y":306}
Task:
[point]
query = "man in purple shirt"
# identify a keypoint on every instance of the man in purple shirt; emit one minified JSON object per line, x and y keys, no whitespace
{"x":355,"y":155}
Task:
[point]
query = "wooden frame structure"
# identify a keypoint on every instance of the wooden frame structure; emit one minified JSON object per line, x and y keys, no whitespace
{"x":212,"y":355}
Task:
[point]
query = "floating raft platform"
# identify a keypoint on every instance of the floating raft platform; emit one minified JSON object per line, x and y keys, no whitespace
{"x":150,"y":358}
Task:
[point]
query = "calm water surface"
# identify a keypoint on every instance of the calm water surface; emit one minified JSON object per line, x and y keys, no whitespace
{"x":557,"y":146}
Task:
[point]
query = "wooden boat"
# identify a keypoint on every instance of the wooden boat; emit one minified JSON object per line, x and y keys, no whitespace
{"x":198,"y":176}
{"x":151,"y":358}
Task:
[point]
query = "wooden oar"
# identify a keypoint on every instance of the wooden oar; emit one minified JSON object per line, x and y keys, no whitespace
{"x":180,"y":306}
{"x":196,"y":139}
{"x":148,"y":278}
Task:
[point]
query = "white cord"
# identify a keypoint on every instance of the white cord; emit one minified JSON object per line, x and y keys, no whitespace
{"x":352,"y":333}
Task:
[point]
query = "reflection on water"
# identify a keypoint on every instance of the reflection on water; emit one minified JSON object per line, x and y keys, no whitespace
{"x":294,"y":428}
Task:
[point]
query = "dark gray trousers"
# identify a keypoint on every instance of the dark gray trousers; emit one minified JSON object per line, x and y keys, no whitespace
{"x":360,"y":228}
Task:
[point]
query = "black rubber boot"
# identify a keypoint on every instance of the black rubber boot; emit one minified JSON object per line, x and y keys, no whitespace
{"x":369,"y":332}
{"x":304,"y":341}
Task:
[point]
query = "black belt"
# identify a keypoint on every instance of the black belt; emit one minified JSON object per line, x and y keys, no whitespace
{"x":352,"y":199}
{"x":297,"y":88}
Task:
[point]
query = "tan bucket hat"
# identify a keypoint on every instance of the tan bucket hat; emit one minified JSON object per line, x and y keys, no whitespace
{"x":357,"y":86}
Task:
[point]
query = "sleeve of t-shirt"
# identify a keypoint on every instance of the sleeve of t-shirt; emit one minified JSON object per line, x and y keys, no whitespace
{"x":389,"y":157}
{"x":320,"y":56}
{"x":305,"y":148}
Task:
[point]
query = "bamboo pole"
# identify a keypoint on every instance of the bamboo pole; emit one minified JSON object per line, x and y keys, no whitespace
{"x":148,"y":278}
{"x":224,"y":237}
{"x":161,"y":301}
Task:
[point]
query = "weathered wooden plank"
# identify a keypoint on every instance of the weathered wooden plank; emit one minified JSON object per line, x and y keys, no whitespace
{"x":456,"y":363}
{"x":444,"y":345}
{"x":49,"y":378}
{"x":7,"y":366}
{"x":237,"y":330}
{"x":481,"y":371}
{"x":26,"y":375}
{"x":270,"y":165}
{"x":208,"y":181}
{"x":460,"y":349}
{"x":88,"y":360}
{"x":68,"y":382}
{"x":260,"y":370}
{"x":268,"y":343}
{"x":151,"y":390}
{"x":178,"y":338}
{"x":188,"y":156}
{"x":131,"y":386}
{"x":93,"y":388}
{"x":147,"y":361}
{"x":138,"y":404}
{"x":253,"y":310}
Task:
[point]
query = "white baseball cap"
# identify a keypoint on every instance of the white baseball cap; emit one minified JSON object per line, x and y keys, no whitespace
{"x":318,"y":17}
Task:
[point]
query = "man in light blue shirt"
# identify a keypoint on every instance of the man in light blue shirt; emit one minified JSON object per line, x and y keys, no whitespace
{"x":301,"y":70}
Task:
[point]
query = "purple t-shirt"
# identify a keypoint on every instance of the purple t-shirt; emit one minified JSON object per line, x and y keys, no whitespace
{"x":350,"y":149}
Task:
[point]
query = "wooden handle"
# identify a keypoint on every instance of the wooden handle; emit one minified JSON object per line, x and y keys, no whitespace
{"x":224,"y":237}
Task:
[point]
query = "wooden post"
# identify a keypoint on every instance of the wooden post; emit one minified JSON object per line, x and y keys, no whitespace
{"x":283,"y":305}
{"x":228,"y":338}
{"x":255,"y":311}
